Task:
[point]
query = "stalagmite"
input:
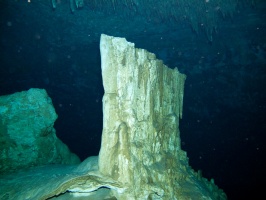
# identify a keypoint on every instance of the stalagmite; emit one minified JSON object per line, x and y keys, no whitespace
{"x":142,"y":105}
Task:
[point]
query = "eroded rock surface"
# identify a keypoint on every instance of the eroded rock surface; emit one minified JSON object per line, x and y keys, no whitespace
{"x":142,"y":105}
{"x":27,"y":136}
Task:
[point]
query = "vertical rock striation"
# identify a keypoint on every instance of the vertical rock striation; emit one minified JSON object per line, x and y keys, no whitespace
{"x":142,"y":105}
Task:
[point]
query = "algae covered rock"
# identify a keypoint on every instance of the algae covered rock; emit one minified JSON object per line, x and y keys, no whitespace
{"x":27,"y":136}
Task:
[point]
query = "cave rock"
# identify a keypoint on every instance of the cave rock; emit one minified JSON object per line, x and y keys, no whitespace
{"x":140,"y":156}
{"x":27,"y":136}
{"x":142,"y":105}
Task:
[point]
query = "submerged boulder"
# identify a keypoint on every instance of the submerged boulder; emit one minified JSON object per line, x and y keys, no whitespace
{"x":27,"y":136}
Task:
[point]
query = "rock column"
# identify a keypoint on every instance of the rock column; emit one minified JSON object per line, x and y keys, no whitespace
{"x":142,"y":105}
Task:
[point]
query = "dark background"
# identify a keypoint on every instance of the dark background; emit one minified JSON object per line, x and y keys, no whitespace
{"x":224,"y":118}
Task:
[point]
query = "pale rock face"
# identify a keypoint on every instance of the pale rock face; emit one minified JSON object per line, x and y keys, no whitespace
{"x":27,"y":136}
{"x":142,"y":105}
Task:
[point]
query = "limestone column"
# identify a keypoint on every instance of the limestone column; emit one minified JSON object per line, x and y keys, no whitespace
{"x":142,"y":105}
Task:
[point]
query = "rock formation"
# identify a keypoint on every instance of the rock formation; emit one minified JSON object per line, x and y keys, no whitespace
{"x":142,"y":105}
{"x":27,"y":136}
{"x":140,"y":155}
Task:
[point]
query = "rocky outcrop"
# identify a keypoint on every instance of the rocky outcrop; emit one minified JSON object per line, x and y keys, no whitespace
{"x":27,"y":136}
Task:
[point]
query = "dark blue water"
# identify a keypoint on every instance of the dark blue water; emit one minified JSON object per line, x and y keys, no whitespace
{"x":224,"y":118}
